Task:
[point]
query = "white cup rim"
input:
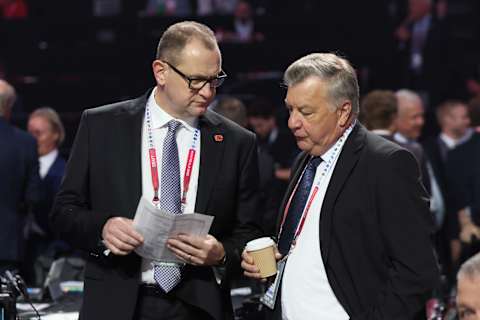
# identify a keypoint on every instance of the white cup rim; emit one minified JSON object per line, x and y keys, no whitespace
{"x":259,"y":244}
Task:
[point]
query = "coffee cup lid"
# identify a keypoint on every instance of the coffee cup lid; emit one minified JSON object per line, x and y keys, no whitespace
{"x":259,"y":243}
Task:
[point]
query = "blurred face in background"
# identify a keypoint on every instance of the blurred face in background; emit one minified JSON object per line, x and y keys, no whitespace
{"x":456,"y":121}
{"x":409,"y":121}
{"x":468,"y":298}
{"x":42,"y":130}
{"x":262,"y":126}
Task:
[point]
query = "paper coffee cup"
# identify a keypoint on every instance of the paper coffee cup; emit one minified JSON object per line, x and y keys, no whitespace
{"x":263,"y":253}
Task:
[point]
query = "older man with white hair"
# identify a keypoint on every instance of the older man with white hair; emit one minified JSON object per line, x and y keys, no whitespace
{"x":468,"y":289}
{"x":354,"y":230}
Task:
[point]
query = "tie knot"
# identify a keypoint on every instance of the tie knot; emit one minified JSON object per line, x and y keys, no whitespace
{"x":314,"y":162}
{"x":173,"y":125}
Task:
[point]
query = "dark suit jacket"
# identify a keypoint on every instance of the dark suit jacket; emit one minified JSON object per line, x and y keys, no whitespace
{"x":103,"y":179}
{"x":419,"y":154}
{"x":18,"y":187}
{"x":463,"y":174}
{"x":49,"y":187}
{"x":375,"y":230}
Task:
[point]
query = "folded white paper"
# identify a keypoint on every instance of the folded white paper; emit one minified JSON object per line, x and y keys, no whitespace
{"x":157,"y":226}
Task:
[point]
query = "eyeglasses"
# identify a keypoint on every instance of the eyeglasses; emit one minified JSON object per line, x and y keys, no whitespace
{"x":199,"y":83}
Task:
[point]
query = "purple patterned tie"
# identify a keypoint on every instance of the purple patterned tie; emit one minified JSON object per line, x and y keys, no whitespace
{"x":168,"y":276}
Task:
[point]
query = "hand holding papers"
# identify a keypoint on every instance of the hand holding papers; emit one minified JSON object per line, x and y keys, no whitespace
{"x":157,"y":227}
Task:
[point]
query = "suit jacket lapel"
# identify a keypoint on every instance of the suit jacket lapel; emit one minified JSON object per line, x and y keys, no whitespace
{"x":129,"y":158}
{"x":211,"y":154}
{"x":346,"y":162}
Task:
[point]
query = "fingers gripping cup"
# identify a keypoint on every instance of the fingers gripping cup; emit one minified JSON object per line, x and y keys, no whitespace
{"x":263,"y":253}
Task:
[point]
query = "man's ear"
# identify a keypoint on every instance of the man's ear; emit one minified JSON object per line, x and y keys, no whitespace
{"x":159,"y":67}
{"x":345,"y":113}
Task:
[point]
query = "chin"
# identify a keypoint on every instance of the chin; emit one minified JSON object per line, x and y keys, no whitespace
{"x":302,"y":145}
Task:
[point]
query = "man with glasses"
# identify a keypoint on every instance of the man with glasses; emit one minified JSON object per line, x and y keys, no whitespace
{"x":206,"y":164}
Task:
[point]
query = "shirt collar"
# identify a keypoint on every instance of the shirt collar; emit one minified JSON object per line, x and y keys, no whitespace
{"x":381,"y":132}
{"x":46,"y":161}
{"x":160,"y":117}
{"x":401,"y":138}
{"x":449,"y":142}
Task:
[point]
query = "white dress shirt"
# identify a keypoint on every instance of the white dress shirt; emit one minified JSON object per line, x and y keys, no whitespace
{"x":306,"y":292}
{"x":185,"y":132}
{"x":46,"y":162}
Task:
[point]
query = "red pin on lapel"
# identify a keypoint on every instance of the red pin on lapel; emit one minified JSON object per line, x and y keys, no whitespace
{"x":218,"y":137}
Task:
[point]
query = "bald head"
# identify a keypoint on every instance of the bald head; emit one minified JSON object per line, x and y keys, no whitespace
{"x":409,"y":121}
{"x":7,"y":98}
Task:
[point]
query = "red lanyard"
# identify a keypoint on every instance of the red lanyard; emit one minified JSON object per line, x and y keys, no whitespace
{"x":154,"y":163}
{"x":327,"y":167}
{"x":186,"y":176}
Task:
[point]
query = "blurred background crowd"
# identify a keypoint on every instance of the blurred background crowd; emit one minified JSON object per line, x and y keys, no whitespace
{"x":418,"y":62}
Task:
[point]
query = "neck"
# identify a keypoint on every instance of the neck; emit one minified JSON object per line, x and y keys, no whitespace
{"x":162,"y":103}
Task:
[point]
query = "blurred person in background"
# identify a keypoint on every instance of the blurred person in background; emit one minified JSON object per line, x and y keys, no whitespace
{"x":275,"y":140}
{"x":19,"y":182}
{"x":474,"y":113}
{"x":409,"y":124}
{"x":421,"y":40}
{"x":379,"y":112}
{"x":453,"y":120}
{"x":463,"y":178}
{"x":47,"y":128}
{"x":243,"y":28}
{"x":235,"y":110}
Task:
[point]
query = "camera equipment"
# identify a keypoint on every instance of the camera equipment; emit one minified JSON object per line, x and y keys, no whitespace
{"x":8,"y":297}
{"x":12,"y":287}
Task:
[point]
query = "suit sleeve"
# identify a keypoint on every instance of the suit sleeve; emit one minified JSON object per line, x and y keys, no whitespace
{"x":71,"y":216}
{"x":247,"y":219}
{"x":406,"y":225}
{"x":32,"y":185}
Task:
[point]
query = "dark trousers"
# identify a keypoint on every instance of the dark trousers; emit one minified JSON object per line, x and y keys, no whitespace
{"x":153,"y":304}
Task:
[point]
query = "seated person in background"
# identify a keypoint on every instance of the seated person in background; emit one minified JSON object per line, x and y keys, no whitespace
{"x":468,"y":289}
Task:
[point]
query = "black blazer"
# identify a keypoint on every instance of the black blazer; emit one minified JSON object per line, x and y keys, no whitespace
{"x":103,"y":179}
{"x":49,"y":187}
{"x":19,"y":187}
{"x":375,"y":230}
{"x":463,"y":175}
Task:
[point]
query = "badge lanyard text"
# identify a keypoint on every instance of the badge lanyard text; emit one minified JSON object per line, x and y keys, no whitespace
{"x":152,"y":156}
